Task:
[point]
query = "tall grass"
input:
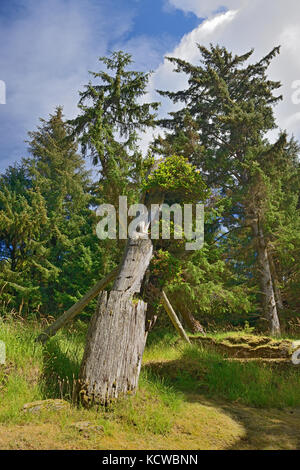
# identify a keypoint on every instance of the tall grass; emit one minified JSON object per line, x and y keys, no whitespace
{"x":19,"y":377}
{"x":196,"y":370}
{"x":34,"y":372}
{"x":172,"y":371}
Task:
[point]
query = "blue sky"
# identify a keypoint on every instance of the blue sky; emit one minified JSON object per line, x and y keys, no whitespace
{"x":159,"y":19}
{"x":47,"y":48}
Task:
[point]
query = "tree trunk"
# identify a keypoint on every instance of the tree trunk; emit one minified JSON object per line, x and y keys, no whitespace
{"x":118,"y":331}
{"x":189,"y":320}
{"x":266,"y":281}
{"x":117,"y":334}
{"x":192,"y":324}
{"x":277,"y":292}
{"x":115,"y":346}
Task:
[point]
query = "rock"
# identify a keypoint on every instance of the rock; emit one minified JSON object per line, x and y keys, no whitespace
{"x":48,"y":405}
{"x":296,"y":353}
{"x":295,"y":345}
{"x":87,"y":426}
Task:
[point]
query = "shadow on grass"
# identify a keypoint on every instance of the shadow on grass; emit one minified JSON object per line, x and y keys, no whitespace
{"x":263,"y":429}
{"x":264,"y":400}
{"x":60,"y":370}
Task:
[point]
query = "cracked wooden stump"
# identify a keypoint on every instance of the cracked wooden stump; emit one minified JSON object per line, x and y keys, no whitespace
{"x":117,"y":334}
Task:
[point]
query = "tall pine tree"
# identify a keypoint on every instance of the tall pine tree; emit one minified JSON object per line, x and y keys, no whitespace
{"x":227,"y":111}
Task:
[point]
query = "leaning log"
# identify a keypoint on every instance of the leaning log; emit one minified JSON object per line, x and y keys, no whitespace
{"x":173,"y":317}
{"x":77,"y":308}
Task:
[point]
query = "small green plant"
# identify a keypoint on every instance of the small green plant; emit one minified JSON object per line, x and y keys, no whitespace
{"x":248,"y":329}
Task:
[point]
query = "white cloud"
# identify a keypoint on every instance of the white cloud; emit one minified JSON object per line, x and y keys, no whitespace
{"x":165,"y":79}
{"x":259,"y":24}
{"x":46,"y":53}
{"x":206,"y":8}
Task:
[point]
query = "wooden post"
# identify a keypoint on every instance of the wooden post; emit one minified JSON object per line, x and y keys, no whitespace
{"x":76,"y":308}
{"x":173,"y":317}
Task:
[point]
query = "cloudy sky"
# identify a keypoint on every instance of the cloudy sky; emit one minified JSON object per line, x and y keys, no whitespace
{"x":48,"y":46}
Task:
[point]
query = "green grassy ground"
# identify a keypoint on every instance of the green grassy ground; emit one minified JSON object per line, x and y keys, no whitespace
{"x":188,"y":398}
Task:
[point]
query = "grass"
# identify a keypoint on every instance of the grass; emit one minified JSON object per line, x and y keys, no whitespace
{"x":187,"y":399}
{"x":190,"y":368}
{"x":35,"y":373}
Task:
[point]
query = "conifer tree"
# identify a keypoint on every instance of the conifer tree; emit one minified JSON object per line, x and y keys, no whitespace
{"x":228,"y":109}
{"x":112,"y":114}
{"x":24,"y":256}
{"x":59,"y":173}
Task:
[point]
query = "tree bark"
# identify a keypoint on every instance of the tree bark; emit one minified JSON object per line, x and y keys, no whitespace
{"x":192,"y":324}
{"x":117,"y":334}
{"x":189,"y":320}
{"x":266,"y":281}
{"x":277,"y":292}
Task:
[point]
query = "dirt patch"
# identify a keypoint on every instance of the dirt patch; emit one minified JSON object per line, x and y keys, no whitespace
{"x":211,"y":429}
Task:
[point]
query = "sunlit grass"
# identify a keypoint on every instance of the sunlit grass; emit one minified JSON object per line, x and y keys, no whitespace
{"x":171,"y":370}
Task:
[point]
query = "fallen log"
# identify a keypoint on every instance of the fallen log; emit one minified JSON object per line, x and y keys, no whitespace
{"x":77,"y":308}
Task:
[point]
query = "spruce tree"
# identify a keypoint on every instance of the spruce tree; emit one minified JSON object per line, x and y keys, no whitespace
{"x":58,"y":171}
{"x":228,"y":109}
{"x":112,"y":115}
{"x":24,"y":255}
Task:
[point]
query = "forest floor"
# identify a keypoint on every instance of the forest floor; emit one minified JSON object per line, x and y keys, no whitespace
{"x":189,"y":398}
